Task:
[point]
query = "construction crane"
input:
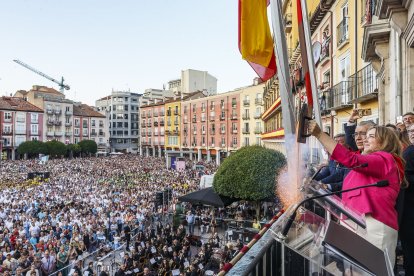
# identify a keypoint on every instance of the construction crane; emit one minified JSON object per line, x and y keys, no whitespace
{"x":60,"y":83}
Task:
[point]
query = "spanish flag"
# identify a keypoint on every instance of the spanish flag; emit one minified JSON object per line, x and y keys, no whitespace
{"x":255,"y":39}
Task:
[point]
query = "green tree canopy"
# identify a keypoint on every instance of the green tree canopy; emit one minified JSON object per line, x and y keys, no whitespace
{"x":88,"y":146}
{"x":249,"y":174}
{"x":73,"y":149}
{"x":32,"y":148}
{"x":55,"y":148}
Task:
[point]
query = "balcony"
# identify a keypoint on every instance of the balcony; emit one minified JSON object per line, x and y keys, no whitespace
{"x":155,"y":114}
{"x":194,"y":144}
{"x":94,"y":134}
{"x":364,"y":85}
{"x":162,"y":113}
{"x":212,"y":145}
{"x":77,"y":124}
{"x":50,"y":123}
{"x":257,"y":116}
{"x":234,"y":131}
{"x":339,"y":97}
{"x":58,"y":111}
{"x":68,"y":124}
{"x":162,"y":133}
{"x":7,"y":132}
{"x":58,"y":123}
{"x":258,"y":130}
{"x":377,"y":31}
{"x":185,"y":144}
{"x":175,"y":112}
{"x":212,"y":118}
{"x":69,"y":133}
{"x":203,"y":132}
{"x":203,"y":118}
{"x":246,"y":102}
{"x":246,"y":131}
{"x":194,"y":120}
{"x":143,"y":134}
{"x":175,"y":132}
{"x":143,"y":115}
{"x":234,"y":145}
{"x":21,"y":119}
{"x":143,"y":124}
{"x":161,"y":123}
{"x":195,"y":132}
{"x":149,"y":115}
{"x":176,"y":123}
{"x":168,"y":123}
{"x":101,"y":125}
{"x":222,"y":131}
{"x":149,"y":124}
{"x":149,"y":133}
{"x":50,"y":134}
{"x":155,"y":133}
{"x":168,"y":112}
{"x":20,"y":131}
{"x":246,"y":116}
{"x":58,"y":133}
{"x":155,"y":124}
{"x":288,"y":22}
{"x":223,"y":145}
{"x":167,"y":132}
{"x":49,"y":111}
{"x":101,"y":134}
{"x":234,"y":116}
{"x":342,"y":33}
{"x":68,"y":113}
{"x":222,"y":118}
{"x":324,"y":51}
{"x":212,"y":131}
{"x":258,"y":101}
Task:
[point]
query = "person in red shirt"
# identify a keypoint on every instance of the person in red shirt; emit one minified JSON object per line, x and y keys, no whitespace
{"x":382,"y":152}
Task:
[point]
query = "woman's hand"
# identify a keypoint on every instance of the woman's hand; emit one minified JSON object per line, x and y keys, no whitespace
{"x":314,"y":129}
{"x":354,"y":116}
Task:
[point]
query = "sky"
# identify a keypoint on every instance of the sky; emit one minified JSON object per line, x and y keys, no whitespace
{"x":104,"y":45}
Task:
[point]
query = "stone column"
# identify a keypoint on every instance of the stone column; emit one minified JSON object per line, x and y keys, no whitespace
{"x":13,"y":154}
{"x":147,"y":151}
{"x":199,"y":155}
{"x":159,"y":151}
{"x":218,"y":157}
{"x":228,"y":153}
{"x":191,"y":154}
{"x":140,"y":151}
{"x":208,"y":156}
{"x":153,"y":151}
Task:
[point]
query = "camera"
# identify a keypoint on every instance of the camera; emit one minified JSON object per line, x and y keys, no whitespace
{"x":364,"y":112}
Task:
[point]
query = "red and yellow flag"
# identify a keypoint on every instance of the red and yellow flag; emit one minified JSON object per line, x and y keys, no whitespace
{"x":255,"y":39}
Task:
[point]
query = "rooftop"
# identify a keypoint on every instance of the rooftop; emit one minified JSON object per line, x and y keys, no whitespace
{"x":18,"y":104}
{"x":85,"y":110}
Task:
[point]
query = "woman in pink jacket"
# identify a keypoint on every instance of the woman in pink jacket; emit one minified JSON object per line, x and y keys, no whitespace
{"x":382,"y":153}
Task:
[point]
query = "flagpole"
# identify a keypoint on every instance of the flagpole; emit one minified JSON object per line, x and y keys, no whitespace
{"x":282,"y":65}
{"x":311,"y":62}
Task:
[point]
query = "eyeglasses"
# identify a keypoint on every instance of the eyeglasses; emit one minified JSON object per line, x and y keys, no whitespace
{"x":361,"y":134}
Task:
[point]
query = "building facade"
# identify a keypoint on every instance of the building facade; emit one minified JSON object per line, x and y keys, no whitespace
{"x":152,"y":122}
{"x":20,"y":121}
{"x":89,"y":124}
{"x":173,"y":124}
{"x":211,"y":126}
{"x":58,"y":112}
{"x":388,"y":43}
{"x":122,"y":111}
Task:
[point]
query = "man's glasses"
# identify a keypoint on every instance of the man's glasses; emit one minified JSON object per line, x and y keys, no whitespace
{"x":360,"y":134}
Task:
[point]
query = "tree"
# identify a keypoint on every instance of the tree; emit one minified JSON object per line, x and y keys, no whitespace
{"x":88,"y":146}
{"x":249,"y":174}
{"x":73,"y":150}
{"x":32,"y":148}
{"x":55,"y":148}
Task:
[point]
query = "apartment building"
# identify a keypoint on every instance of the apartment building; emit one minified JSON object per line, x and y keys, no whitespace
{"x":20,"y":121}
{"x":388,"y":43}
{"x":122,"y":111}
{"x":89,"y":124}
{"x":152,"y":122}
{"x":211,"y":126}
{"x":251,"y":109}
{"x":58,"y":112}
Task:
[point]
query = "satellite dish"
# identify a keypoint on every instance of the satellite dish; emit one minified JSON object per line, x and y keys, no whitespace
{"x":316,"y":51}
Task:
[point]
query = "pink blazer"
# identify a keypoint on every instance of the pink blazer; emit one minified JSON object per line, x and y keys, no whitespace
{"x":379,"y":202}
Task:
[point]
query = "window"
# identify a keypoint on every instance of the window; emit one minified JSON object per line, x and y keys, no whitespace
{"x":7,"y":116}
{"x":20,"y":128}
{"x":234,"y":141}
{"x":34,"y":129}
{"x":246,"y":141}
{"x":20,"y":117}
{"x":7,"y":129}
{"x":85,"y":124}
{"x":20,"y":139}
{"x":76,"y":131}
{"x":34,"y":118}
{"x":212,"y":105}
{"x":203,"y":107}
{"x":93,"y":123}
{"x":223,"y":141}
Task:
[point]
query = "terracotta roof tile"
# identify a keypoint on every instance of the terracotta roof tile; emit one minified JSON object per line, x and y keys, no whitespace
{"x":85,"y":110}
{"x":18,"y":104}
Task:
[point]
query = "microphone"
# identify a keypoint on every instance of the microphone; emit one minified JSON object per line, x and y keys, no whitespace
{"x":363,"y":165}
{"x":288,"y":225}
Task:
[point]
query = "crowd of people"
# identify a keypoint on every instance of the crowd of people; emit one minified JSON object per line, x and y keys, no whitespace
{"x":374,"y":153}
{"x":91,"y":203}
